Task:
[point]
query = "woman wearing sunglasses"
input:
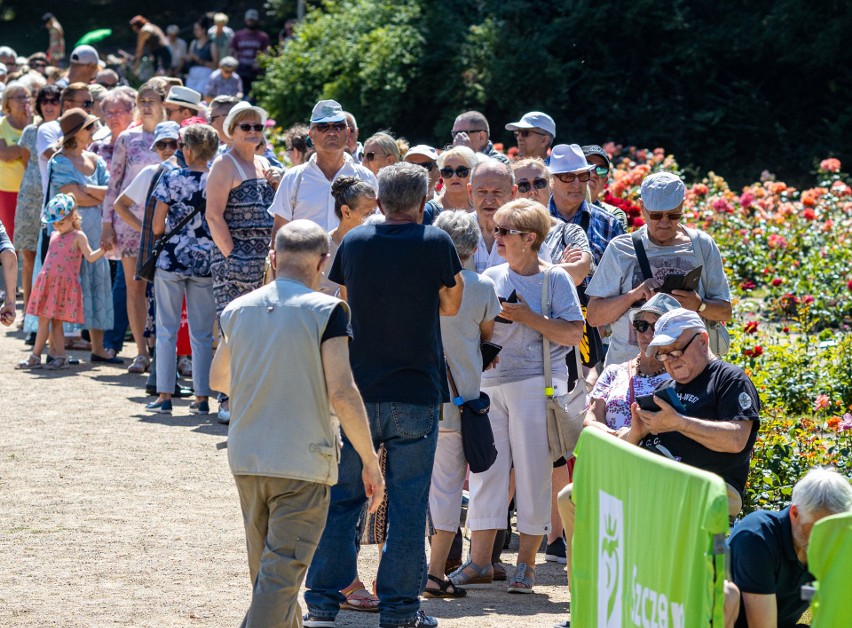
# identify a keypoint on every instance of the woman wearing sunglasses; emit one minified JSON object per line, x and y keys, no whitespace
{"x":455,"y":166}
{"x":31,"y":195}
{"x":381,"y":150}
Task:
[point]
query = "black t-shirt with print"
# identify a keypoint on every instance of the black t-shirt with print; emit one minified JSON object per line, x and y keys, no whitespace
{"x":721,"y":392}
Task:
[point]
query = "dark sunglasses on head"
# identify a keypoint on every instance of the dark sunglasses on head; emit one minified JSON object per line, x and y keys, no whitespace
{"x":164,"y":144}
{"x":502,"y":231}
{"x":673,"y":216}
{"x":526,"y":132}
{"x":325,"y":127}
{"x":371,"y":156}
{"x":568,"y":177}
{"x":538,"y":183}
{"x":461,"y":172}
{"x":643,"y":326}
{"x":246,"y":127}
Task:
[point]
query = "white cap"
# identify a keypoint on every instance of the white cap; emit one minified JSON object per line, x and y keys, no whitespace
{"x":424,"y":150}
{"x":534,"y":120}
{"x":662,"y":191}
{"x":658,"y":304}
{"x":671,"y":325}
{"x":84,"y":55}
{"x":327,"y":111}
{"x":568,"y":158}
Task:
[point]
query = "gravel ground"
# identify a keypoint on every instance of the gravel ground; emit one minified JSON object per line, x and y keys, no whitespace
{"x":110,"y":516}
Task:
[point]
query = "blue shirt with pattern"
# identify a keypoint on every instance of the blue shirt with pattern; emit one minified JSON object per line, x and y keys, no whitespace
{"x":187,"y":252}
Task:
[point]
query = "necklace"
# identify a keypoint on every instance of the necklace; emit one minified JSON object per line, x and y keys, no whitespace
{"x":639,"y":372}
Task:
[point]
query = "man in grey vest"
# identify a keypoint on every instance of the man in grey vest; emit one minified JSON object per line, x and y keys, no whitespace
{"x":283,"y":441}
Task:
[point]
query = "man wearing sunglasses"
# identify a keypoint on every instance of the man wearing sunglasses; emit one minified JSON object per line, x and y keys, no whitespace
{"x":720,"y":417}
{"x":534,"y":134}
{"x":471,"y":129}
{"x":427,"y":157}
{"x":670,"y":248}
{"x":599,"y":158}
{"x":305,"y":190}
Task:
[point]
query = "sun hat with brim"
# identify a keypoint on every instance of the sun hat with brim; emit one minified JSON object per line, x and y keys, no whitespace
{"x":568,"y":158}
{"x":73,"y":121}
{"x":662,"y":191}
{"x":240,"y":108}
{"x":184,"y":97}
{"x":658,"y":304}
{"x":424,"y":151}
{"x":671,"y":325}
{"x":165,"y":131}
{"x":534,"y":120}
{"x":327,"y":111}
{"x":59,"y":207}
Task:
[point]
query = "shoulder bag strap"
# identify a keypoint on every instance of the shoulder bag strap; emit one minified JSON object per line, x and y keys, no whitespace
{"x":641,"y":256}
{"x":457,"y":399}
{"x":296,"y":187}
{"x":185,"y":221}
{"x":47,"y":188}
{"x":698,"y":249}
{"x":585,"y":221}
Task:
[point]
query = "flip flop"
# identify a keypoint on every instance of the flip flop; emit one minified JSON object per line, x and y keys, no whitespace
{"x":443,"y":589}
{"x":359,"y":599}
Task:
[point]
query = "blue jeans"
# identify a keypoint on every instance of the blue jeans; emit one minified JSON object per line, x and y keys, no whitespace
{"x":114,"y":338}
{"x":410,"y":435}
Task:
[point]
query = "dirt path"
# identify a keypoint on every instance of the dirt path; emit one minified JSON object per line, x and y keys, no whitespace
{"x":112,"y":517}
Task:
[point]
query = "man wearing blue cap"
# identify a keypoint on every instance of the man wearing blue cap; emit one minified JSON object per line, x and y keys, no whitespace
{"x":305,"y":190}
{"x":635,"y":266}
{"x":534,"y":134}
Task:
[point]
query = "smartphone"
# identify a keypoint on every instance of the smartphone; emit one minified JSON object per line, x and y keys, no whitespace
{"x":489,"y":352}
{"x":513,"y":298}
{"x":667,"y":394}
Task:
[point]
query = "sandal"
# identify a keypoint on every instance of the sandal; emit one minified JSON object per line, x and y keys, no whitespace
{"x":140,"y":364}
{"x":32,"y":362}
{"x":482,"y":577}
{"x":77,"y":344}
{"x":359,"y":599}
{"x":523,"y":581}
{"x":443,"y":589}
{"x":55,"y":363}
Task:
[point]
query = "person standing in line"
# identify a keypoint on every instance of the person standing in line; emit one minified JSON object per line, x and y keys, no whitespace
{"x":247,"y":44}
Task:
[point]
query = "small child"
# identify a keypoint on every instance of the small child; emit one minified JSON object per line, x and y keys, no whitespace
{"x":57,"y":295}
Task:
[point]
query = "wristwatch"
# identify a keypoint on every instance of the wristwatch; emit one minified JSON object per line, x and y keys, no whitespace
{"x":702,"y":307}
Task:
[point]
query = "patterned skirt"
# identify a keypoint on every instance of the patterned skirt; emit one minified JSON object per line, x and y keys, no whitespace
{"x":242,"y":271}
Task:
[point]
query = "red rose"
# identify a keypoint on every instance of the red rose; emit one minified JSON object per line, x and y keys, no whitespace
{"x":777,"y":282}
{"x":751,"y":327}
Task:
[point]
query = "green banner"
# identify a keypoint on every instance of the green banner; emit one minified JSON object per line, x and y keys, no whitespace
{"x":649,"y":544}
{"x":829,"y":558}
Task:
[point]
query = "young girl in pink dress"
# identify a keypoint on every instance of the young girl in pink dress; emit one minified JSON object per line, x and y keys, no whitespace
{"x":57,"y":296}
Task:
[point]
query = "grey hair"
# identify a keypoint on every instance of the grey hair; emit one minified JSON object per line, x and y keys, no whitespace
{"x":463,"y":229}
{"x":822,"y":489}
{"x":489,"y":164}
{"x":119,"y":97}
{"x":475,"y":117}
{"x":301,"y":236}
{"x":402,"y":187}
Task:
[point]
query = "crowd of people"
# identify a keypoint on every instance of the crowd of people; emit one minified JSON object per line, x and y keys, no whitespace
{"x":383,"y":272}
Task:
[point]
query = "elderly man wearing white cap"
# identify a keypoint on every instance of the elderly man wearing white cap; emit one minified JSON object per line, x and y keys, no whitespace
{"x":636,"y":266}
{"x":427,"y":157}
{"x":305,"y":190}
{"x":534,"y":134}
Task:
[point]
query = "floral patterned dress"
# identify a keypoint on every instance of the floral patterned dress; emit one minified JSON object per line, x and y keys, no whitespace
{"x":57,"y":292}
{"x":131,"y":153}
{"x":618,"y":386}
{"x":30,"y":196}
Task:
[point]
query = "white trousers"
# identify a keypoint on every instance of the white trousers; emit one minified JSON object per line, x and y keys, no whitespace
{"x":448,"y":474}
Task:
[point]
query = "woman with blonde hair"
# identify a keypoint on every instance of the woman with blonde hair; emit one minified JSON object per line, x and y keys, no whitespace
{"x":382,"y":150}
{"x":454,"y":166}
{"x":17,"y":109}
{"x":516,"y":389}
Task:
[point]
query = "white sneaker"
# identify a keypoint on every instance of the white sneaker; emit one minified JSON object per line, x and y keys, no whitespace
{"x":223,"y":416}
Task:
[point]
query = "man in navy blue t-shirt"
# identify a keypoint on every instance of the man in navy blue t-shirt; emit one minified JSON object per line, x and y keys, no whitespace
{"x":398,"y":277}
{"x":769,"y":550}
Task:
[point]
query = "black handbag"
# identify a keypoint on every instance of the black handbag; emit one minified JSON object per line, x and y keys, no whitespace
{"x":149,"y":266}
{"x":477,"y":436}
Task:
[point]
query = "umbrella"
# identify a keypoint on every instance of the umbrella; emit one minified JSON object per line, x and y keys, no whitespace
{"x":94,"y":36}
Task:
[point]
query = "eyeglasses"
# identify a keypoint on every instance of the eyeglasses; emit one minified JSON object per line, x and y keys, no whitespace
{"x":86,"y":104}
{"x":526,"y":132}
{"x":429,"y":165}
{"x":672,"y":355}
{"x":49,"y":101}
{"x":371,"y":155}
{"x":643,"y":326}
{"x":673,"y":216}
{"x":108,"y":85}
{"x":461,"y":172}
{"x":212,"y":118}
{"x":538,"y":183}
{"x":182,"y":145}
{"x":116,"y":112}
{"x":502,"y":231}
{"x":149,"y":103}
{"x":166,"y":144}
{"x":569,"y":177}
{"x":453,"y":133}
{"x":246,"y":127}
{"x":21,"y":98}
{"x":325,"y":127}
{"x":601,"y":171}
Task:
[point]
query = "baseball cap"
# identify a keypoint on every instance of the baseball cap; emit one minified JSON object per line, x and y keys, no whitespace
{"x":84,"y":55}
{"x":534,"y":120}
{"x":229,"y":62}
{"x":172,"y":29}
{"x":594,"y":149}
{"x":658,"y":304}
{"x":568,"y":158}
{"x":327,"y":111}
{"x":423,"y":150}
{"x":671,"y":325}
{"x":165,"y":131}
{"x":662,"y":191}
{"x":252,"y":14}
